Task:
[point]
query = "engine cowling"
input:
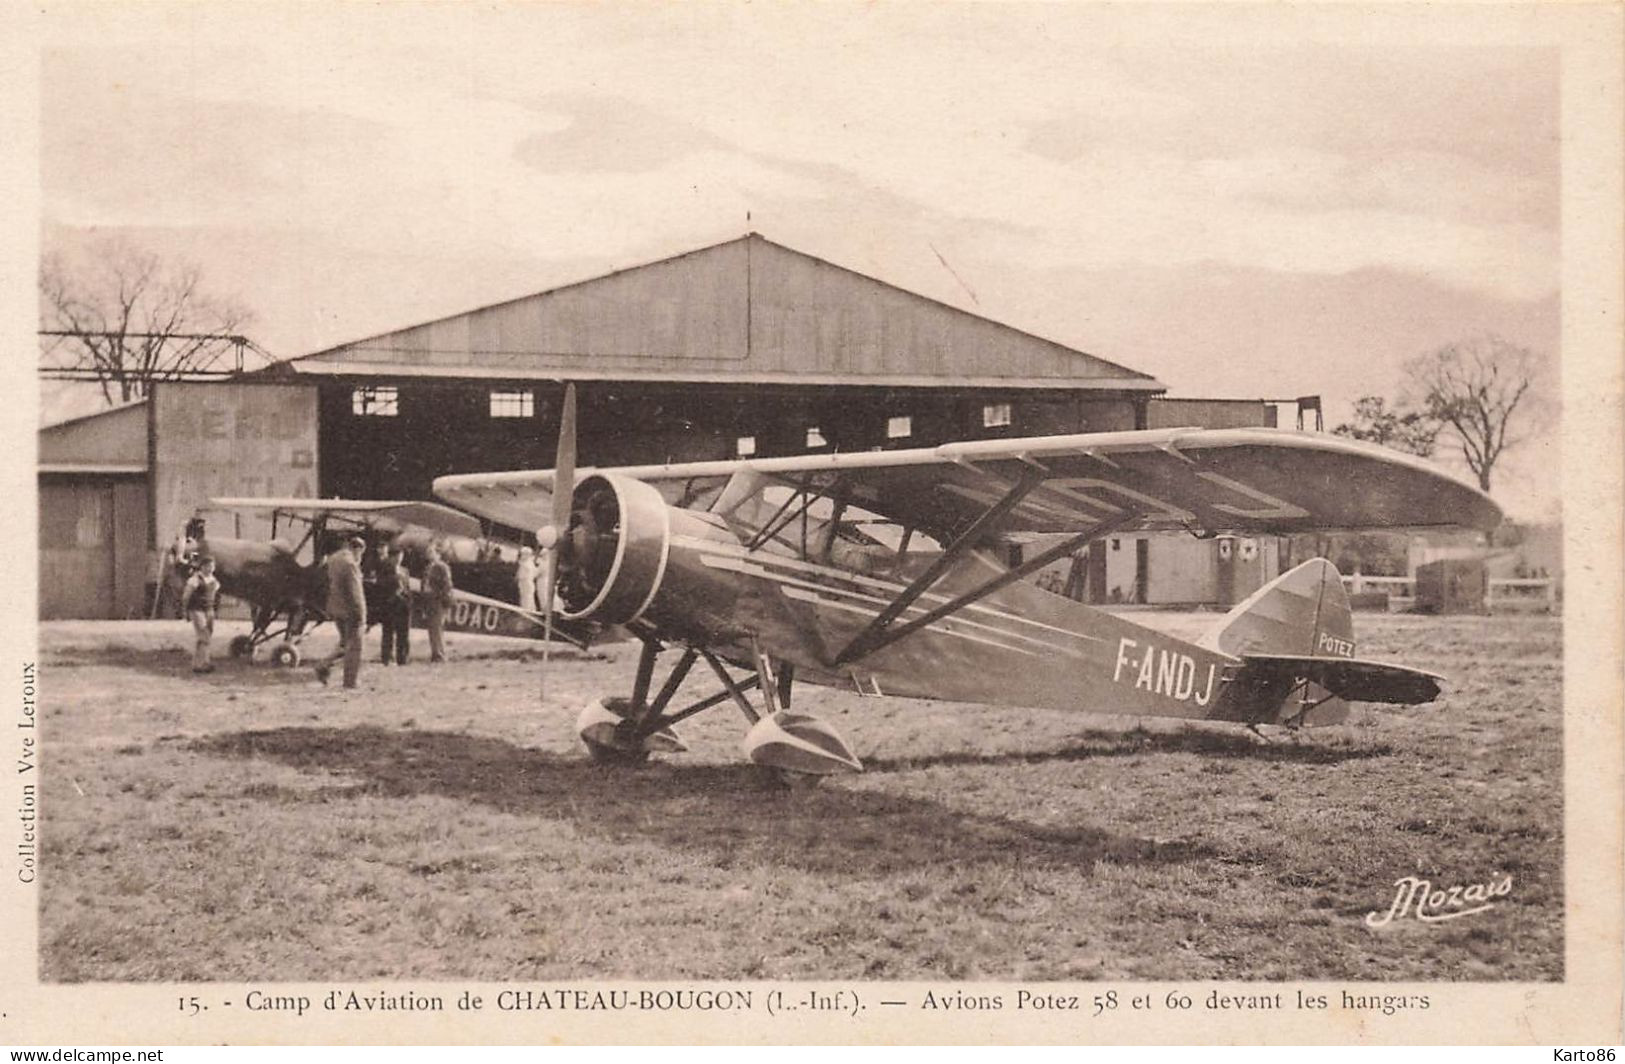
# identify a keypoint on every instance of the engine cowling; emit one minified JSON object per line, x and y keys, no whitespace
{"x":615,"y":552}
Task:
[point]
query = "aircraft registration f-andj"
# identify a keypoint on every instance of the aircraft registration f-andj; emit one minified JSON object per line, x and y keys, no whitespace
{"x":287,"y":595}
{"x":810,"y":568}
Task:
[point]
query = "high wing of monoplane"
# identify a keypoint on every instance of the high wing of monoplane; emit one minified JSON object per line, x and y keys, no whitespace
{"x":1211,"y":480}
{"x":773,"y":566}
{"x":286,"y":588}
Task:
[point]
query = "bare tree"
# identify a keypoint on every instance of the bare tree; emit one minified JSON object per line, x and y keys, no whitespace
{"x":121,"y":316}
{"x":1412,"y":431}
{"x":1477,"y":387}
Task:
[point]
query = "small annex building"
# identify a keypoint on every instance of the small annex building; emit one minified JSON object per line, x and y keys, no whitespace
{"x":94,"y":513}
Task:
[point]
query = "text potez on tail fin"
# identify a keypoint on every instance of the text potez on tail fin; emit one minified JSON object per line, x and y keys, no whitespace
{"x":1302,"y":612}
{"x":1295,"y":637}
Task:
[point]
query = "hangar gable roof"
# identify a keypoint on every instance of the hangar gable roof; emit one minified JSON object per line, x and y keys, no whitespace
{"x":747,"y":310}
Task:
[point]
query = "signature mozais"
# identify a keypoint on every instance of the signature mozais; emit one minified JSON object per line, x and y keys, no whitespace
{"x":1413,"y":895}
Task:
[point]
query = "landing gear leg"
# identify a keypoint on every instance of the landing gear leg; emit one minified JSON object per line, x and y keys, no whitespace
{"x":624,"y":731}
{"x":793,"y":746}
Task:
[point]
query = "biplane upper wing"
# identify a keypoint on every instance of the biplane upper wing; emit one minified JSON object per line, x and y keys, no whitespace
{"x":389,"y":515}
{"x":523,"y":499}
{"x":1213,"y":480}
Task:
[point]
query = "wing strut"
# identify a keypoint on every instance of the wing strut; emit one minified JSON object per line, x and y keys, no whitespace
{"x":873,"y":635}
{"x":866,"y":643}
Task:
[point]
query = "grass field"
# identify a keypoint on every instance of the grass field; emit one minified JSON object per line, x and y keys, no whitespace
{"x":442,"y":823}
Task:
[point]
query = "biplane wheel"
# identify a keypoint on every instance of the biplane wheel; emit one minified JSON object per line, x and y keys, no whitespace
{"x":285,"y":655}
{"x":242,"y":646}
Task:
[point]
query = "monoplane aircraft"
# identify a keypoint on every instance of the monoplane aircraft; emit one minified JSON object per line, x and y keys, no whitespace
{"x":779,"y":567}
{"x":286,"y":594}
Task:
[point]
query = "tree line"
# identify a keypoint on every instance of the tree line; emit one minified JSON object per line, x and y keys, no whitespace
{"x":1479,"y":392}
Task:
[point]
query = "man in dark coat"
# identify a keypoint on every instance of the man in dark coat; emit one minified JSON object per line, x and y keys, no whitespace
{"x":394,"y":597}
{"x":346,"y":608}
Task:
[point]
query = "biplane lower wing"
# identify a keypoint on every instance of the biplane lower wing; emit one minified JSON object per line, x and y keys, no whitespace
{"x":481,"y":615}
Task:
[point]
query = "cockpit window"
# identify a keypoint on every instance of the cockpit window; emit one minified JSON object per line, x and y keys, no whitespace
{"x":785,"y":518}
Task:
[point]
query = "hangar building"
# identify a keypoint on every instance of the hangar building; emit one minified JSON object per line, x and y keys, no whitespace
{"x":743,"y":348}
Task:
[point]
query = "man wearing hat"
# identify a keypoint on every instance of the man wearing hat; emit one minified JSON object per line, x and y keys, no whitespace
{"x":346,"y":608}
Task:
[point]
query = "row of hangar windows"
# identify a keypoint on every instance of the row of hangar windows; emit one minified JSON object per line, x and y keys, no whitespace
{"x":384,"y":401}
{"x":898,"y":427}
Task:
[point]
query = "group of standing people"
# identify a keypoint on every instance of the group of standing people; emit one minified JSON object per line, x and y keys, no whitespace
{"x":347,"y":602}
{"x":346,"y":605}
{"x":531,"y":579}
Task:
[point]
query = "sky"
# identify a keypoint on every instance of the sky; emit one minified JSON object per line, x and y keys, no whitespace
{"x":1243,"y":202}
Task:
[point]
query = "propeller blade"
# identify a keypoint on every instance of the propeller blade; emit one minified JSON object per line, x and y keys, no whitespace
{"x":547,"y":625}
{"x":564,"y":462}
{"x":564,"y":482}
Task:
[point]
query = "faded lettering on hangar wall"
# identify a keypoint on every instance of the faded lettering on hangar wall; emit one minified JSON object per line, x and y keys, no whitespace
{"x":211,"y":440}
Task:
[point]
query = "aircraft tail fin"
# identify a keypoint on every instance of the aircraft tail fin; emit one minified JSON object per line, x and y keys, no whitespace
{"x":1301,"y":614}
{"x":1295,"y":639}
{"x":1304,"y":612}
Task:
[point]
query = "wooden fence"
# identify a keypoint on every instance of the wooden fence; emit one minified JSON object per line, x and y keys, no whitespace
{"x":1503,"y":594}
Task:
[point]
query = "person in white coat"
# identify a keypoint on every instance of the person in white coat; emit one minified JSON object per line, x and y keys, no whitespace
{"x":525,"y":578}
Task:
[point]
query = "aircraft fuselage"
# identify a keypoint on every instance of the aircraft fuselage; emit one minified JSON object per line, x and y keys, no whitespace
{"x":1020,"y":645}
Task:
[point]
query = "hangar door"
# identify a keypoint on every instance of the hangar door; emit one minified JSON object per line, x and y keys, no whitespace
{"x":93,"y":547}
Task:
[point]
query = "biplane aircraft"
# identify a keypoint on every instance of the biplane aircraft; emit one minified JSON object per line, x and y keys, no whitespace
{"x":286,"y":594}
{"x":878,"y":572}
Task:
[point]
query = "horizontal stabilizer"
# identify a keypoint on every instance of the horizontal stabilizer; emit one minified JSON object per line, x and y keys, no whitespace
{"x":1351,"y":678}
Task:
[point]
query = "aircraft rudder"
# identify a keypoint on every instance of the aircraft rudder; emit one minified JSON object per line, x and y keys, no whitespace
{"x":1303,"y":611}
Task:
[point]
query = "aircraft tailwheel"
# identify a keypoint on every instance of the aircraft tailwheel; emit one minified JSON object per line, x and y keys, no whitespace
{"x":242,"y":646}
{"x":602,"y":727}
{"x":286,"y":655}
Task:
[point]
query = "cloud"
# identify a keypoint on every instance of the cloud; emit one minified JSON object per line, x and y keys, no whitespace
{"x":563,"y":132}
{"x":605,"y":133}
{"x":111,"y":154}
